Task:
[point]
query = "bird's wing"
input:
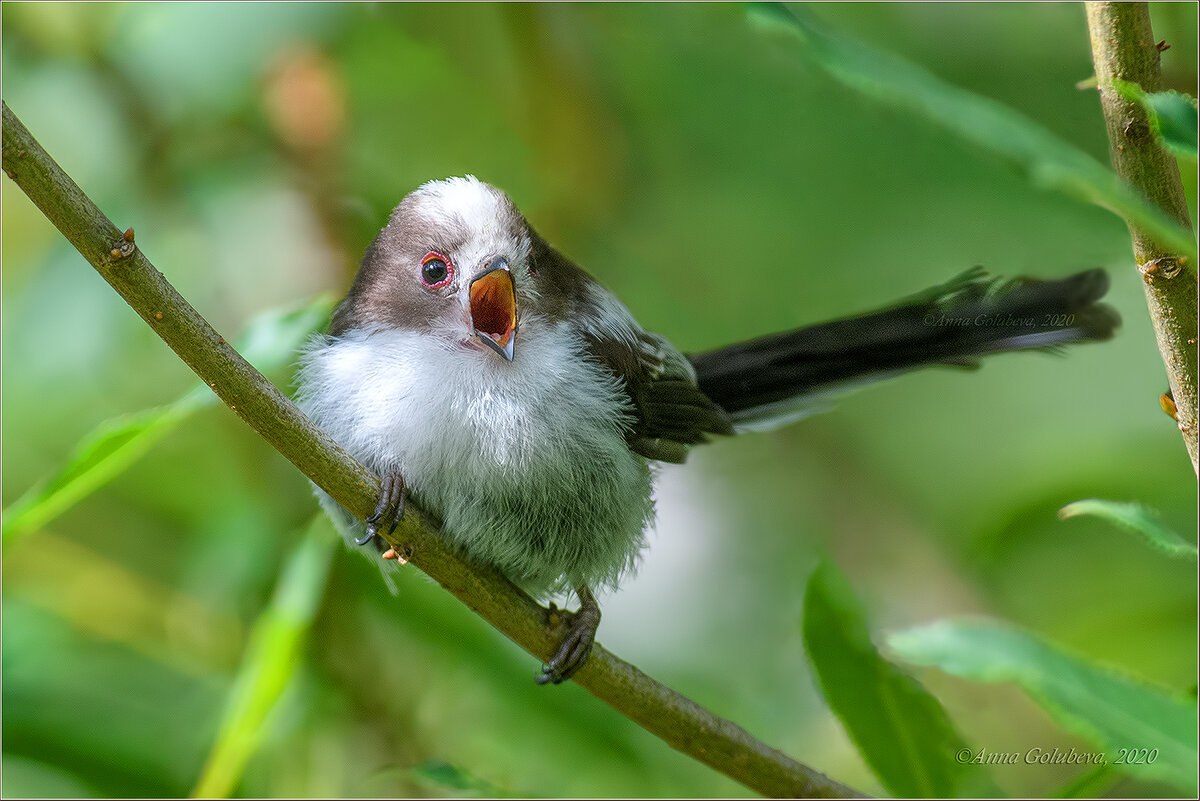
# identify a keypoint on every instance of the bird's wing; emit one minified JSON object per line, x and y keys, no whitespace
{"x":670,"y":413}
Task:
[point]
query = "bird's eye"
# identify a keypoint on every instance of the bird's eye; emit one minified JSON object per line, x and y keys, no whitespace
{"x":436,"y":271}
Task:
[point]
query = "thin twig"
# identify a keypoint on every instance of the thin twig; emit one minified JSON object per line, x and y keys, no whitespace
{"x":1123,"y":47}
{"x":679,"y":721}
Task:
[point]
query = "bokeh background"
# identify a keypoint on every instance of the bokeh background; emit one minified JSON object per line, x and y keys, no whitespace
{"x":723,"y":190}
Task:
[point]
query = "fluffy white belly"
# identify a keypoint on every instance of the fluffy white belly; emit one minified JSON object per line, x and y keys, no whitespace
{"x":525,"y":462}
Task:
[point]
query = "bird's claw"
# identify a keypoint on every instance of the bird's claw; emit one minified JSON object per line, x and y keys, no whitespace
{"x":573,"y":653}
{"x":389,"y":511}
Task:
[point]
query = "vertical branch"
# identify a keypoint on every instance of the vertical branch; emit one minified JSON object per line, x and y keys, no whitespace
{"x":1123,"y":47}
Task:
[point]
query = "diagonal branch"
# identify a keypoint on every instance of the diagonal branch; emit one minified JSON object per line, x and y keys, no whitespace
{"x":679,"y":721}
{"x":1123,"y":48}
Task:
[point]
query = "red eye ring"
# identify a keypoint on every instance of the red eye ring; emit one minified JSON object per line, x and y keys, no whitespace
{"x":432,"y":276}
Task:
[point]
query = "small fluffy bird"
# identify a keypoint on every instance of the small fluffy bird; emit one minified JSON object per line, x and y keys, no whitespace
{"x":477,"y":369}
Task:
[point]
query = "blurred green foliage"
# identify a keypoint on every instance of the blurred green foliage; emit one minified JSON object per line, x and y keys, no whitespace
{"x":901,"y":730}
{"x":724,"y":189}
{"x":1048,"y":161}
{"x":1136,"y":518}
{"x":270,"y":341}
{"x":272,"y":651}
{"x":1110,"y":709}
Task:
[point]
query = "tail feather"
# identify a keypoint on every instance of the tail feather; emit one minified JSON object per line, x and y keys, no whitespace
{"x":782,"y":377}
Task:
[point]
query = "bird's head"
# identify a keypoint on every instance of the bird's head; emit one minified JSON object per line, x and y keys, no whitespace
{"x":454,"y":262}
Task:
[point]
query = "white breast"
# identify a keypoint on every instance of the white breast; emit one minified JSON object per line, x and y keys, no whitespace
{"x":525,"y":462}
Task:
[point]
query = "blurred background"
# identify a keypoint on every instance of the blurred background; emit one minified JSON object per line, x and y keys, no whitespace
{"x":257,"y":148}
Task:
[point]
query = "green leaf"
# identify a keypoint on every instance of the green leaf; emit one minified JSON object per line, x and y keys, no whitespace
{"x":1172,"y":116}
{"x":1050,"y":162}
{"x":272,"y":338}
{"x":901,"y":730}
{"x":271,"y":659}
{"x":99,"y":457}
{"x":445,"y":776}
{"x":269,"y":342}
{"x":1136,"y":518}
{"x":1108,"y":708}
{"x":1174,"y":120}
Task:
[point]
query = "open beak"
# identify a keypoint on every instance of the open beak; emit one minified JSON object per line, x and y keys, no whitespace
{"x":494,"y":309}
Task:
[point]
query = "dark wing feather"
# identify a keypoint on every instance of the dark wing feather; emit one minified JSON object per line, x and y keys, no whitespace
{"x":670,"y":412}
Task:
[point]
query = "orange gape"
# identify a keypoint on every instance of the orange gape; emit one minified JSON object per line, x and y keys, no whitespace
{"x":494,"y":306}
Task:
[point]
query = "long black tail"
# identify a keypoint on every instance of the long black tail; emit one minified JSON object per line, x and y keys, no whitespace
{"x":783,"y":377}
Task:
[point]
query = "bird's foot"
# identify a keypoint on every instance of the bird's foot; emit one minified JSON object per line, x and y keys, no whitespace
{"x":389,"y":510}
{"x":577,"y":645}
